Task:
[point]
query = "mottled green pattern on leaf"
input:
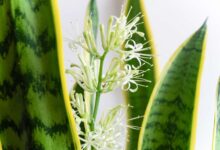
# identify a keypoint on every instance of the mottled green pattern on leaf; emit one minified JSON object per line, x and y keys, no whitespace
{"x":12,"y":110}
{"x":32,"y":111}
{"x":169,"y":116}
{"x":139,"y":99}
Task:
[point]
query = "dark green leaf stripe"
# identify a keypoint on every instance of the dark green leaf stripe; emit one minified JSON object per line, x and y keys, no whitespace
{"x":32,"y":110}
{"x":8,"y":123}
{"x":170,"y":118}
{"x":216,"y":133}
{"x":12,"y":110}
{"x":139,"y":99}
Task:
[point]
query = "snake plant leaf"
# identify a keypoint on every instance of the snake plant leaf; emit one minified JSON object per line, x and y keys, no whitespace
{"x":139,"y":100}
{"x":35,"y":111}
{"x":171,"y":115}
{"x":216,"y":134}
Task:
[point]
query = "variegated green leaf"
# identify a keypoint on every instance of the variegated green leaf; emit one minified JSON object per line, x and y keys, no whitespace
{"x":139,"y":100}
{"x":170,"y":118}
{"x":34,"y":106}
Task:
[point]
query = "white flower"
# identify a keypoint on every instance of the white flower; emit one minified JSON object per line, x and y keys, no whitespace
{"x":85,"y":75}
{"x":108,"y":131}
{"x":120,"y":30}
{"x":79,"y":111}
{"x":78,"y":103}
{"x":135,"y":51}
{"x":129,"y":78}
{"x":113,"y":76}
{"x":119,"y":34}
{"x":86,"y":41}
{"x":134,"y":77}
{"x":79,"y":42}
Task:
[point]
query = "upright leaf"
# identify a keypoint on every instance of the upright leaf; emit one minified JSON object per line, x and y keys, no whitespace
{"x":216,"y":133}
{"x":33,"y":100}
{"x":139,"y":100}
{"x":170,"y":118}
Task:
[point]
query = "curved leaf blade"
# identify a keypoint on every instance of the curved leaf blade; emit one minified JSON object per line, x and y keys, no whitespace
{"x":170,"y":118}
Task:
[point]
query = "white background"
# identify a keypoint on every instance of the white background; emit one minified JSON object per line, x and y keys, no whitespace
{"x":172,"y":21}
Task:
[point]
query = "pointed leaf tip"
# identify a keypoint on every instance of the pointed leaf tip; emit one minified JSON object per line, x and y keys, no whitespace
{"x":205,"y":22}
{"x":199,"y":37}
{"x":204,"y":25}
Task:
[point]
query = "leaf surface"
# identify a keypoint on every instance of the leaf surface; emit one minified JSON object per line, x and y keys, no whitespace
{"x":35,"y":111}
{"x":171,"y":115}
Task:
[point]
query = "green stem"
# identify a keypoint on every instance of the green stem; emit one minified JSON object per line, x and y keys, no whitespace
{"x":98,"y":93}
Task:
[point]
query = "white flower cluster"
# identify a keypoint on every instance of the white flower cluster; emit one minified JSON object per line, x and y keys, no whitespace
{"x":118,"y":39}
{"x":89,"y":74}
{"x":108,"y":131}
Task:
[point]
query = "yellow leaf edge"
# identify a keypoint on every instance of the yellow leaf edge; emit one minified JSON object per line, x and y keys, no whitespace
{"x":0,"y":145}
{"x":158,"y":84}
{"x":58,"y":33}
{"x":153,"y":48}
{"x":197,"y":96}
{"x":148,"y":30}
{"x":152,"y":43}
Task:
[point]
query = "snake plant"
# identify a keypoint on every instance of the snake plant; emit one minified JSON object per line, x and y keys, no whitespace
{"x":35,"y":110}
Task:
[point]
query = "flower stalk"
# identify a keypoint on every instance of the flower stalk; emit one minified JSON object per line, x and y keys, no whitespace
{"x":98,"y":93}
{"x":90,"y":75}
